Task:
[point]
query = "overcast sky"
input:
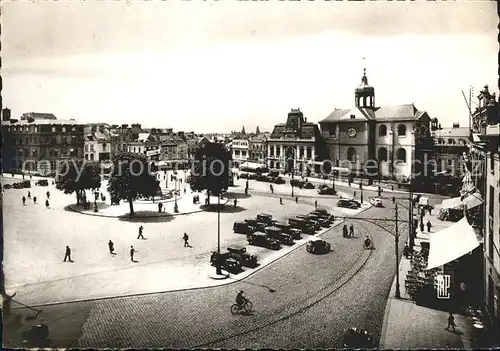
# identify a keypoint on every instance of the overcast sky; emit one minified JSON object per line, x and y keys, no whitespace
{"x":215,"y":66}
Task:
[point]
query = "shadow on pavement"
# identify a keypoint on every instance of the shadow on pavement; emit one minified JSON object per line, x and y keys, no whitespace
{"x":232,"y":196}
{"x":75,"y":208}
{"x":223,"y":209}
{"x":147,"y":217}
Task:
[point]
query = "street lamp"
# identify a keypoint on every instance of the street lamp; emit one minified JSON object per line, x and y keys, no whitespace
{"x":176,"y":208}
{"x":396,"y":249}
{"x":96,"y":195}
{"x":218,"y":263}
{"x":361,"y":188}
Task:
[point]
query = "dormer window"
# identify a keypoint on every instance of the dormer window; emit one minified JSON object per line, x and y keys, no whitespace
{"x":353,"y":116}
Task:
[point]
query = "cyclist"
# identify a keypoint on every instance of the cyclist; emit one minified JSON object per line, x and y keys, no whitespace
{"x":240,"y":299}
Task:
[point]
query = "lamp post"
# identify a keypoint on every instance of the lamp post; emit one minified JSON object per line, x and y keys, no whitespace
{"x":361,"y":188}
{"x":96,"y":195}
{"x":396,"y":249}
{"x":176,"y":208}
{"x":218,"y":263}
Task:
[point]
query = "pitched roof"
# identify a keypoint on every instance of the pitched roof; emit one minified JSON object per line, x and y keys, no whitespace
{"x":461,"y":132}
{"x":396,"y":113}
{"x":45,"y":122}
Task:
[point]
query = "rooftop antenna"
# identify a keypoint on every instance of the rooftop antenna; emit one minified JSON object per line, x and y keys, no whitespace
{"x":468,"y":103}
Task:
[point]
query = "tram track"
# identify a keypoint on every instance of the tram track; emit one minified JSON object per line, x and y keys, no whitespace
{"x":303,"y":305}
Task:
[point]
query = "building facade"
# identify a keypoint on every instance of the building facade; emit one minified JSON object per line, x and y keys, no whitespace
{"x":450,"y":147}
{"x":146,"y":144}
{"x":257,"y":148}
{"x":485,"y":172}
{"x":294,"y":145}
{"x":240,"y":150}
{"x":35,"y":144}
{"x":100,"y":143}
{"x":379,"y":142}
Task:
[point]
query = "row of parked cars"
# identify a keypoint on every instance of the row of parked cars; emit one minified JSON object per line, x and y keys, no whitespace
{"x":271,"y":177}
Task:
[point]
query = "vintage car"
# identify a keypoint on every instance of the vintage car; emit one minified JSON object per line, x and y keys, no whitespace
{"x":256,"y":224}
{"x":252,"y":175}
{"x":317,"y":246}
{"x":262,"y":178}
{"x":239,"y":253}
{"x":357,"y":338}
{"x":261,"y":239}
{"x":323,"y":222}
{"x":288,"y":229}
{"x":274,"y":173}
{"x":297,"y":183}
{"x":303,"y":225}
{"x":243,"y":175}
{"x":323,"y":214}
{"x":42,"y":182}
{"x":243,"y":228}
{"x":348,"y":203}
{"x":265,"y":218}
{"x":278,"y":180}
{"x":322,"y":186}
{"x":327,"y":191}
{"x":36,"y":336}
{"x":377,"y":202}
{"x":228,"y":263}
{"x":277,"y":234}
{"x":308,"y":185}
{"x":316,"y":224}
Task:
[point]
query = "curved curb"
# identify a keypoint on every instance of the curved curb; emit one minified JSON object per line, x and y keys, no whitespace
{"x":223,"y":276}
{"x":233,"y":279}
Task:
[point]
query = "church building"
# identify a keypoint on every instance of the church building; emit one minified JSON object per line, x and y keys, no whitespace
{"x":379,"y":142}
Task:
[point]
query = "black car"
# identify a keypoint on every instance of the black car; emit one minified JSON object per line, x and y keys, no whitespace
{"x":327,"y":191}
{"x":322,"y":186}
{"x":275,"y":233}
{"x":256,"y":224}
{"x":239,"y":253}
{"x":243,"y":228}
{"x":357,"y":338}
{"x":324,"y":214}
{"x":308,"y":185}
{"x":315,"y":224}
{"x":324,"y":222}
{"x":243,"y":175}
{"x":297,"y":183}
{"x":262,"y":178}
{"x":352,"y":204}
{"x":274,"y":173}
{"x":278,"y":180}
{"x":42,"y":182}
{"x":304,"y":225}
{"x":318,"y":246}
{"x":265,"y":218}
{"x":288,"y":229}
{"x":261,"y":239}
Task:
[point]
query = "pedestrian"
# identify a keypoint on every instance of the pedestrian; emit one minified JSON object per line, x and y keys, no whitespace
{"x":429,"y":226}
{"x":140,"y":236}
{"x":184,"y":190}
{"x":392,"y":187}
{"x":296,"y":199}
{"x":354,"y":193}
{"x":47,"y":203}
{"x":24,"y":200}
{"x":351,"y":230}
{"x":132,"y":252}
{"x":34,"y":199}
{"x":235,"y":202}
{"x":422,"y":227}
{"x":430,"y":210}
{"x":315,"y":203}
{"x":393,"y":200}
{"x":281,"y":201}
{"x":48,"y":194}
{"x":451,"y":322}
{"x":111,"y":247}
{"x":67,"y":255}
{"x":160,"y":205}
{"x":246,"y":191}
{"x":29,"y":195}
{"x":345,"y":231}
{"x":272,"y":188}
{"x":185,"y":238}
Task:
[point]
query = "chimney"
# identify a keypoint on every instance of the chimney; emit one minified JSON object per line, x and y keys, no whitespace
{"x":456,"y":125}
{"x":305,"y":120}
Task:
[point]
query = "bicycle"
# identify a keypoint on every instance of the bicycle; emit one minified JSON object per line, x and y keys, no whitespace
{"x":245,"y":308}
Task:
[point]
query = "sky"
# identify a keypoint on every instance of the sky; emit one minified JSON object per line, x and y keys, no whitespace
{"x":217,"y":66}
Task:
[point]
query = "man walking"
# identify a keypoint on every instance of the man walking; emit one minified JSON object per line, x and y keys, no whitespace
{"x":34,"y":199}
{"x":351,"y":230}
{"x":67,"y":255}
{"x":451,"y":322}
{"x":429,"y":226}
{"x":111,"y":247}
{"x":235,"y":202}
{"x":47,"y":203}
{"x":48,"y":194}
{"x":24,"y":200}
{"x":185,"y":238}
{"x":140,"y":236}
{"x":315,"y":203}
{"x":345,"y":231}
{"x":160,"y":205}
{"x":132,"y":252}
{"x":281,"y":201}
{"x":29,"y":195}
{"x":296,"y":199}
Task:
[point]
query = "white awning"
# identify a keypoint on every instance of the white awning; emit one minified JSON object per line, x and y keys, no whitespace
{"x":451,"y":243}
{"x":473,"y":200}
{"x":455,"y":202}
{"x":161,"y":163}
{"x":252,"y":165}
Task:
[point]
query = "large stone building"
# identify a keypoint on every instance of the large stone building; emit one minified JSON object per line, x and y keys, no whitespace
{"x":35,"y":143}
{"x":377,"y":141}
{"x":485,"y":174}
{"x":239,"y":147}
{"x":450,"y":147}
{"x":100,"y":143}
{"x":257,"y":147}
{"x":294,"y":145}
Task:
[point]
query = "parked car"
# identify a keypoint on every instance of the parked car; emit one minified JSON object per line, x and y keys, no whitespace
{"x":347,"y":203}
{"x":308,"y":185}
{"x":377,"y":202}
{"x":261,"y":178}
{"x":261,"y":239}
{"x":243,"y":175}
{"x":42,"y":182}
{"x":243,"y":228}
{"x":304,"y":225}
{"x":256,"y":224}
{"x":252,"y":176}
{"x":297,"y":183}
{"x":229,"y":264}
{"x":288,"y":229}
{"x":323,"y":222}
{"x":324,"y":214}
{"x":275,"y":233}
{"x":327,"y":191}
{"x":278,"y":180}
{"x":265,"y":218}
{"x":240,"y":254}
{"x":322,"y":186}
{"x":274,"y":173}
{"x":316,"y":225}
{"x":318,"y":246}
{"x":357,"y":338}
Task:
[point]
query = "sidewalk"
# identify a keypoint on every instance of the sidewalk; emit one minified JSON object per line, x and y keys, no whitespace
{"x":409,"y":326}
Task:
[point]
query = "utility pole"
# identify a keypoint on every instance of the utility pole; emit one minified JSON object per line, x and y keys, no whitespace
{"x":361,"y":187}
{"x":410,"y":216}
{"x":218,"y":263}
{"x":396,"y":249}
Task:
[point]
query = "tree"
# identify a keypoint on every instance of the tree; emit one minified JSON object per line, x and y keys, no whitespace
{"x":78,"y":176}
{"x":211,"y":169}
{"x":131,"y":177}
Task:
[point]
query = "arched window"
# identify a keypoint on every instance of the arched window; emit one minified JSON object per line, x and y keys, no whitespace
{"x":382,"y":154}
{"x":440,"y":141}
{"x":382,"y":130}
{"x":401,"y":155}
{"x":451,"y":141}
{"x":462,"y":141}
{"x":351,"y":154}
{"x":401,"y":129}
